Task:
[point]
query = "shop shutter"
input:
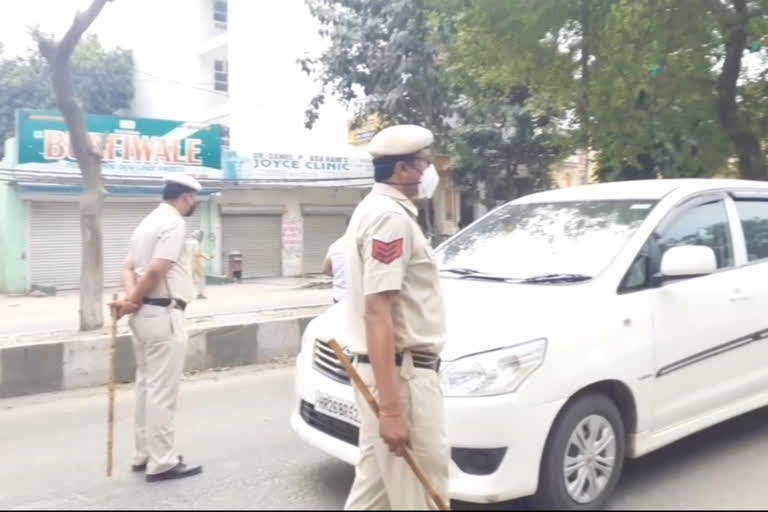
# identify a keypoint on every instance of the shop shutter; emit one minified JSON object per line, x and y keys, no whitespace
{"x":258,"y":238}
{"x":320,"y":231}
{"x":54,"y":244}
{"x":55,"y":240}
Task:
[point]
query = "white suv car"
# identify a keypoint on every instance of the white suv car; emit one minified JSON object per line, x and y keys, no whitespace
{"x":585,"y":325}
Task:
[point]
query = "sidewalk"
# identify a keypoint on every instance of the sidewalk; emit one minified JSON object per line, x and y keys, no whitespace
{"x":254,"y":322}
{"x":25,"y":320}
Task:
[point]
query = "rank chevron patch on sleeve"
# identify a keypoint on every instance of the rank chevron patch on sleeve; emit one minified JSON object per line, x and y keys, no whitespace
{"x":387,"y":252}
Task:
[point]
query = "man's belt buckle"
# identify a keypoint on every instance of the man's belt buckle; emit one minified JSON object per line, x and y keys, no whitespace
{"x":179,"y":304}
{"x":426,"y":360}
{"x":422,"y":360}
{"x":165,"y":302}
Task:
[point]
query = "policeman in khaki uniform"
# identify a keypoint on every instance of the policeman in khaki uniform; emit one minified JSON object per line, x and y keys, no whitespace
{"x":396,"y":328}
{"x":195,"y":256}
{"x":158,"y":287}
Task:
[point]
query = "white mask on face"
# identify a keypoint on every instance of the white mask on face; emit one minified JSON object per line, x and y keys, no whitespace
{"x":428,"y":183}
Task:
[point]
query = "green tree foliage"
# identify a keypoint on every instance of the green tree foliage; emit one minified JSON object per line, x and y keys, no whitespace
{"x":499,"y":142}
{"x":103,"y":81}
{"x":390,"y":58}
{"x":657,"y":87}
{"x":384,"y":53}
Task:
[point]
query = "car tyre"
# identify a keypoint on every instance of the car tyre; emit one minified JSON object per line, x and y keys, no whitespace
{"x":583,"y":457}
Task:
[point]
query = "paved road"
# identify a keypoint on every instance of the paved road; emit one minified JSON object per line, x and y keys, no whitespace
{"x":235,"y":423}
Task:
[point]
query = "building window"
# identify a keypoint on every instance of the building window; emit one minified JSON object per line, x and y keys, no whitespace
{"x":220,"y":75}
{"x":220,"y":14}
{"x":224,"y":136}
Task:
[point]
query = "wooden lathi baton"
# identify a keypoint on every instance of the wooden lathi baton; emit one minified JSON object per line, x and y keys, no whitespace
{"x":111,"y":390}
{"x":375,"y":407}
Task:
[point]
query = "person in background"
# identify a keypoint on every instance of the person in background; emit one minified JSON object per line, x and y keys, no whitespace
{"x":158,"y":288}
{"x":334,"y":266}
{"x":195,"y":257}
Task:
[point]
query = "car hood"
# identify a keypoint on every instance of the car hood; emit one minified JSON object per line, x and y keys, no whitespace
{"x":484,"y":315}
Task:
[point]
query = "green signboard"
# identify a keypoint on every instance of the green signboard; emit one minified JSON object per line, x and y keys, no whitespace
{"x":129,"y":146}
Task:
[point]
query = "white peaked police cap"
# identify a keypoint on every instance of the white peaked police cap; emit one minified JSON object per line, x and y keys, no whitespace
{"x":182,"y":179}
{"x":401,"y":139}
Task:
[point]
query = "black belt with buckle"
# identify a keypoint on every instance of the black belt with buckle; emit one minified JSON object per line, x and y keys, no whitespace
{"x":423,"y":360}
{"x":164,"y":303}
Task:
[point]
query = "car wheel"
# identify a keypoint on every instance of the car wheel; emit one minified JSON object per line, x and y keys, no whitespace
{"x":583,"y":457}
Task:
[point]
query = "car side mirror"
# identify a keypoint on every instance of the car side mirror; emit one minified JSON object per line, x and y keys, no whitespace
{"x":687,"y":261}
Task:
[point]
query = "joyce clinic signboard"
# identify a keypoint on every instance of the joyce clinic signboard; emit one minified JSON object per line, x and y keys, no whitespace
{"x":305,"y":168}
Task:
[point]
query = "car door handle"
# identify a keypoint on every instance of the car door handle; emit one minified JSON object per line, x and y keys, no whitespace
{"x":738,"y":296}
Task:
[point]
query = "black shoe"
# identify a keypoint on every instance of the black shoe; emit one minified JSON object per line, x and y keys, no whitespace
{"x":181,"y":470}
{"x":137,"y":468}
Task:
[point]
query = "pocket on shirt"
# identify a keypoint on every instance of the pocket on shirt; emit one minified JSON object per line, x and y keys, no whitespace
{"x":424,"y":262}
{"x":424,"y":252}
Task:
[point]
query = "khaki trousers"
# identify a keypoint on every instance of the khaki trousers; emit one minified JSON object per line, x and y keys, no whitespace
{"x":199,"y":280}
{"x":384,"y":481}
{"x":160,"y":346}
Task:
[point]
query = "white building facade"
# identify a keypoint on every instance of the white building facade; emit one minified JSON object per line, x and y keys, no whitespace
{"x":234,"y":62}
{"x":285,"y":192}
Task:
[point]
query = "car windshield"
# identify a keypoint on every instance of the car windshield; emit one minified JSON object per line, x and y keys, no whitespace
{"x":544,"y":241}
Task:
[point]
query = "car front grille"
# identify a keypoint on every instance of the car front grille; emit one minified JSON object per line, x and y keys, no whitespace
{"x":335,"y":428}
{"x":472,"y":462}
{"x":325,"y":361}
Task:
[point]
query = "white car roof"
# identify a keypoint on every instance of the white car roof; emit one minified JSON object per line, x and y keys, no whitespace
{"x":640,"y":189}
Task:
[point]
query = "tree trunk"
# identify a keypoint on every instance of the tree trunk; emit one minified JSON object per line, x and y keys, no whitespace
{"x":58,"y":56}
{"x":91,"y":202}
{"x":92,"y":266}
{"x":586,"y":52}
{"x":746,"y":142}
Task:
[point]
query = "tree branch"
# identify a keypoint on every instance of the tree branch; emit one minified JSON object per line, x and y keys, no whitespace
{"x":720,"y":9}
{"x":79,"y":25}
{"x":735,"y":42}
{"x":58,"y":56}
{"x":46,"y":45}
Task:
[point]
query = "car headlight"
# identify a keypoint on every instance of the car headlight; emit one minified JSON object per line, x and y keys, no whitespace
{"x":492,"y":373}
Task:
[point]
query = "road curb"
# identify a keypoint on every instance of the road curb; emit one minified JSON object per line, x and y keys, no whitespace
{"x":71,"y":364}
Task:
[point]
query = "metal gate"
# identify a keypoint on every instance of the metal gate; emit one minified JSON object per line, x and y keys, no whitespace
{"x":55,"y":250}
{"x":320,"y":231}
{"x":258,"y":238}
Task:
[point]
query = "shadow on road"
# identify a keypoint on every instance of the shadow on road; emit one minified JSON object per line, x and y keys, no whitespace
{"x":730,"y":440}
{"x":639,"y":475}
{"x":332,"y":478}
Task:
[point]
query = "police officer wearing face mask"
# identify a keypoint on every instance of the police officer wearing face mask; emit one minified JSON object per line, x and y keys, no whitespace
{"x":396,"y":328}
{"x":158,"y":287}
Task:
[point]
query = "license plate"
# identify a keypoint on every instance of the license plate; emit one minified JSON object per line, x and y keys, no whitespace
{"x":337,"y":408}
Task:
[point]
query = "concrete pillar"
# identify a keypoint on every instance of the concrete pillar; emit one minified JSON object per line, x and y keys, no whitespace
{"x":214,"y":236}
{"x":446,"y":208}
{"x":444,"y":200}
{"x":480,"y":208}
{"x":293,"y":237}
{"x":14,"y":265}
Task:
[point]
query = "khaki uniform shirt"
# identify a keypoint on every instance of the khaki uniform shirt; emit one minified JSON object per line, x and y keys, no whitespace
{"x":161,"y":235}
{"x":193,"y":256}
{"x":386,"y":250}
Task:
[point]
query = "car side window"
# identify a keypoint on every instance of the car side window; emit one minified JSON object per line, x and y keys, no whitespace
{"x":704,"y":224}
{"x":753,"y":214}
{"x":637,"y":275}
